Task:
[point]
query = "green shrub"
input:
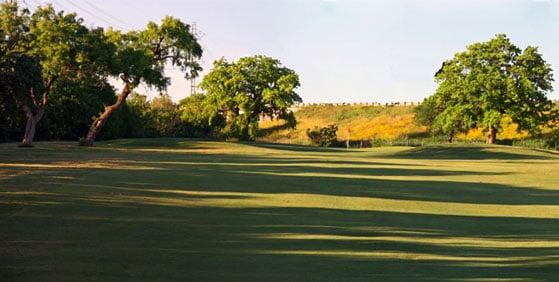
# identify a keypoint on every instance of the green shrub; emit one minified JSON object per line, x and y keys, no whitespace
{"x":323,"y":136}
{"x":549,"y":141}
{"x":552,"y":143}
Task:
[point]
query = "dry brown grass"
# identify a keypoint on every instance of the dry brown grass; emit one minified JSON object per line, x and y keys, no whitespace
{"x":367,"y":122}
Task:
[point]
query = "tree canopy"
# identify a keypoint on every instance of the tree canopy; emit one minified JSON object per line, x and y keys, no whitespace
{"x":490,"y":80}
{"x":141,"y":57}
{"x":243,"y":91}
{"x":41,"y":48}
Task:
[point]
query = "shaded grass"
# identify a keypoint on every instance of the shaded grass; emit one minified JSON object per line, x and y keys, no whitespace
{"x":162,"y":209}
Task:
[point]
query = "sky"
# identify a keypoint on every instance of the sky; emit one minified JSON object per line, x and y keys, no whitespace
{"x":343,"y":50}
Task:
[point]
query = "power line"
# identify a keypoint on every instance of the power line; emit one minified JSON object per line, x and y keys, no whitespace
{"x":34,"y":4}
{"x":64,"y":7}
{"x":27,"y":4}
{"x":197,"y":35}
{"x":81,"y":9}
{"x":106,"y":13}
{"x":90,"y":13}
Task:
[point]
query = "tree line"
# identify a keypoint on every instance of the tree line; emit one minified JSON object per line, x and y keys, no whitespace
{"x":55,"y":73}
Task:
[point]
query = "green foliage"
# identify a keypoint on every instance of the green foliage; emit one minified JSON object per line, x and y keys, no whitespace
{"x":242,"y":91}
{"x":553,"y":141}
{"x":489,"y":80}
{"x":550,"y":142}
{"x":160,"y":117}
{"x":166,"y":116}
{"x":197,"y":118}
{"x":141,"y":56}
{"x":18,"y":74}
{"x":52,"y":53}
{"x":33,"y":55}
{"x":59,"y":42}
{"x":132,"y":120}
{"x":142,"y":118}
{"x":323,"y":136}
{"x":40,"y":51}
{"x":18,"y":71}
{"x":72,"y":106}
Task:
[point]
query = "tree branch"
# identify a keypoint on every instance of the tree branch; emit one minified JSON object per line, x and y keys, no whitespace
{"x":33,"y":97}
{"x":48,"y":88}
{"x":124,"y":78}
{"x":163,"y":58}
{"x":157,"y":45}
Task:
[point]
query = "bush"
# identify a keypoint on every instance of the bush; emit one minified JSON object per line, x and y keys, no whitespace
{"x":507,"y":142}
{"x":553,"y":142}
{"x":549,"y":141}
{"x":199,"y":120}
{"x":323,"y":136}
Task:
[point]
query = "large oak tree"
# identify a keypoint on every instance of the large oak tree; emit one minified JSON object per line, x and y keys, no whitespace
{"x":488,"y":81}
{"x":243,"y":91}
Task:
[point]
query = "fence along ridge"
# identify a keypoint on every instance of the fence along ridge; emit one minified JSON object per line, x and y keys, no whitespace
{"x":362,"y":104}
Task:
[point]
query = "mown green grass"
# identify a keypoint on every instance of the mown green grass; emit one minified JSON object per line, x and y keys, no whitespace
{"x":170,"y":209}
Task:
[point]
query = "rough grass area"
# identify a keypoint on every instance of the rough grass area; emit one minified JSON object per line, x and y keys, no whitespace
{"x":365,"y":122}
{"x":386,"y":123}
{"x":172,"y":209}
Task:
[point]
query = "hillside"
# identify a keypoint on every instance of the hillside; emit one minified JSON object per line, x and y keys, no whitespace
{"x":366,"y":122}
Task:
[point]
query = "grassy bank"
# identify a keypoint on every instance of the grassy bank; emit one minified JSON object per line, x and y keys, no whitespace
{"x":365,"y":122}
{"x":385,"y":125}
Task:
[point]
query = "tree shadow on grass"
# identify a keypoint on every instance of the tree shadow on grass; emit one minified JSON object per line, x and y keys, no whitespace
{"x":159,"y":143}
{"x":432,"y":152}
{"x":470,"y":153}
{"x":146,"y":241}
{"x":296,"y":148}
{"x":272,"y":176}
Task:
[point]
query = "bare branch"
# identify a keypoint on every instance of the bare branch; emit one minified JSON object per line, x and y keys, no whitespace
{"x":33,"y":97}
{"x":163,"y":58}
{"x":157,"y":46}
{"x":124,"y":78}
{"x":48,"y":88}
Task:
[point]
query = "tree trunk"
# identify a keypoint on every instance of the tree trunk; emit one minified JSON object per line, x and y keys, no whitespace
{"x":450,"y":137}
{"x":98,"y":124}
{"x":33,"y":117}
{"x":31,"y":124}
{"x":491,"y":135}
{"x":244,"y":136}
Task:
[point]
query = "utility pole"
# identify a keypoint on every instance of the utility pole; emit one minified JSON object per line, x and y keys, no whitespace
{"x":197,"y":35}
